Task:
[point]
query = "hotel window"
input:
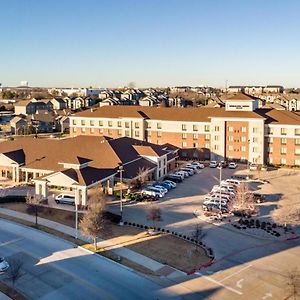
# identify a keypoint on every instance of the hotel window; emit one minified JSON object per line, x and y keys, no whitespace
{"x":137,"y":133}
{"x":183,"y":144}
{"x":92,"y":123}
{"x":82,"y":130}
{"x":110,"y":123}
{"x":183,"y":127}
{"x":149,"y":133}
{"x":195,"y":136}
{"x":216,"y":147}
{"x":297,"y":131}
{"x":82,"y":122}
{"x":158,"y":134}
{"x":137,"y":125}
{"x":270,"y":130}
{"x":230,"y":138}
{"x":101,"y":130}
{"x":207,"y":137}
{"x":270,"y":140}
{"x":100,"y":123}
{"x":244,"y":129}
{"x":243,"y":139}
{"x":158,"y":125}
{"x":230,"y":147}
{"x":297,"y":141}
{"x":195,"y":145}
{"x":243,"y":149}
{"x":270,"y":160}
{"x":283,"y":150}
{"x":206,"y":128}
{"x":283,"y":141}
{"x":270,"y":150}
{"x":110,"y":131}
{"x":119,"y":124}
{"x":126,"y":124}
{"x":216,"y":138}
{"x":74,"y":122}
{"x":217,"y":128}
{"x":255,"y":149}
{"x":148,"y":125}
{"x":92,"y":130}
{"x":297,"y":162}
{"x":74,"y":129}
{"x":297,"y":151}
{"x":195,"y":127}
{"x":282,"y":161}
{"x":207,"y":146}
{"x":283,"y":131}
{"x":255,"y":130}
{"x":149,"y":140}
{"x":127,"y":133}
{"x":230,"y":129}
{"x":255,"y":140}
{"x":184,"y":136}
{"x":119,"y":132}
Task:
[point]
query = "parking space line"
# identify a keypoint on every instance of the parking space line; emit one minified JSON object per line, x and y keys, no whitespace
{"x":11,"y":242}
{"x":235,"y":273}
{"x":220,"y":284}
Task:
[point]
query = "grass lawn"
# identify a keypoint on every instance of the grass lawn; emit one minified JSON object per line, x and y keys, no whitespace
{"x":163,"y":247}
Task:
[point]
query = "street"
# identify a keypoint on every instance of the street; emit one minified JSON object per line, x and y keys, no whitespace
{"x":54,"y":269}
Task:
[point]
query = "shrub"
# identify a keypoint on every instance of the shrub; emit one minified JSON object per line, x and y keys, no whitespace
{"x":180,"y":235}
{"x":263,"y":225}
{"x":257,"y":223}
{"x":146,"y":227}
{"x":129,"y":223}
{"x":184,"y":236}
{"x":133,"y":224}
{"x":168,"y":231}
{"x":163,"y":230}
{"x":137,"y":225}
{"x":125,"y":223}
{"x":274,"y":225}
{"x":13,"y":199}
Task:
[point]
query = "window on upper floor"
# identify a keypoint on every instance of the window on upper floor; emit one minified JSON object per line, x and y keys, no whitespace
{"x":158,"y":125}
{"x":110,"y":123}
{"x":119,"y":124}
{"x":243,"y":139}
{"x":136,"y":125}
{"x":82,"y":130}
{"x":206,"y":128}
{"x":73,"y":122}
{"x":195,"y":136}
{"x":82,"y":122}
{"x":195,"y":127}
{"x":270,"y":150}
{"x":230,"y":129}
{"x":110,"y":132}
{"x":283,"y":141}
{"x":283,"y":161}
{"x":207,"y":137}
{"x":255,"y":140}
{"x":243,"y":148}
{"x":119,"y":132}
{"x":127,"y":124}
{"x":92,"y":123}
{"x":283,"y":131}
{"x":270,"y":130}
{"x":92,"y":130}
{"x":230,"y":138}
{"x":136,"y":133}
{"x":127,"y":133}
{"x":184,"y":144}
{"x":282,"y":150}
{"x":184,"y":136}
{"x":255,"y":130}
{"x":244,"y":129}
{"x":183,"y":127}
{"x":297,"y":131}
{"x":159,"y":134}
{"x":101,"y":130}
{"x":216,"y":137}
{"x":297,"y":141}
{"x":217,"y":128}
{"x":230,"y":147}
{"x":100,"y":123}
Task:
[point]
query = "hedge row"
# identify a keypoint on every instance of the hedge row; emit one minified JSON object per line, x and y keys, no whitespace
{"x":12,"y":199}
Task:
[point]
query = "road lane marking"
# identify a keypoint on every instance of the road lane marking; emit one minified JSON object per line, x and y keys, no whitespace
{"x":11,"y":242}
{"x":235,"y":273}
{"x":220,"y":284}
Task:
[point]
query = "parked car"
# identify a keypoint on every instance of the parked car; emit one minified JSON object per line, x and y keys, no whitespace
{"x":190,"y":166}
{"x":223,"y":163}
{"x":215,"y":208}
{"x":253,"y":167}
{"x":213,"y":164}
{"x":195,"y":163}
{"x":3,"y":264}
{"x":215,"y":201}
{"x":232,"y":165}
{"x":65,"y":199}
{"x":153,"y":193}
{"x":172,"y":183}
{"x":174,"y":178}
{"x":191,"y":172}
{"x":160,"y":187}
{"x":181,"y":175}
{"x":163,"y":184}
{"x":233,"y":181}
{"x":157,"y":189}
{"x":184,"y":173}
{"x":218,"y":191}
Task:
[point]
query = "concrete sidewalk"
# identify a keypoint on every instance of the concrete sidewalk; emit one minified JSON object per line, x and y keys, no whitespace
{"x":157,"y":267}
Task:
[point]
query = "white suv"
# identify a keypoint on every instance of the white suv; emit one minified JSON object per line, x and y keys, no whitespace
{"x":65,"y":199}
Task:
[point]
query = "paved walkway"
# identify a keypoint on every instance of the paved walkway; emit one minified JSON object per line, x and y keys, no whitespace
{"x":135,"y":257}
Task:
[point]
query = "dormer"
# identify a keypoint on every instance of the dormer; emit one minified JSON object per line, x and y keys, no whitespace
{"x":241,"y":102}
{"x":76,"y":163}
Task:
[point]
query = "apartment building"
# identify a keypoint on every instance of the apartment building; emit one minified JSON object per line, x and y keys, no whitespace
{"x":240,"y":131}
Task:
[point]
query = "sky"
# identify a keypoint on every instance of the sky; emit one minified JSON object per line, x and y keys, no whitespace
{"x":109,"y":43}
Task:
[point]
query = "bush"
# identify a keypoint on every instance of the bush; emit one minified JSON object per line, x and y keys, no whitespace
{"x":263,"y":225}
{"x":13,"y":199}
{"x":125,"y":223}
{"x":163,"y":230}
{"x":168,"y":231}
{"x":137,"y":225}
{"x":257,"y":223}
{"x":274,"y":225}
{"x":146,"y":227}
{"x":133,"y":224}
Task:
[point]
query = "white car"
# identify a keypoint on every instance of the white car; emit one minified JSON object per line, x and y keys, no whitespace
{"x":215,"y":201}
{"x":181,"y":175}
{"x":157,"y":189}
{"x":233,"y":181}
{"x":185,"y":174}
{"x":253,"y":167}
{"x":200,"y":166}
{"x":65,"y":199}
{"x":165,"y":190}
{"x":152,"y":193}
{"x":190,"y":166}
{"x":232,"y":165}
{"x":218,"y":191}
{"x":188,"y":170}
{"x":3,"y":264}
{"x":213,"y":164}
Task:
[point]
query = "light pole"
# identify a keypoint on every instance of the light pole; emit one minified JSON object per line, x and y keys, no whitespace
{"x":121,"y":170}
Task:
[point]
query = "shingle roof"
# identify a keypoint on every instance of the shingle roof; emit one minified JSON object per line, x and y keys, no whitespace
{"x":192,"y":114}
{"x":274,"y":116}
{"x":241,"y":96}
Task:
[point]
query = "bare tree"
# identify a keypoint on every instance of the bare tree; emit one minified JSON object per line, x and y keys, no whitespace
{"x":198,"y":234}
{"x":142,"y":176}
{"x":154,"y":214}
{"x":244,"y":198}
{"x":287,"y":215}
{"x":33,"y":205}
{"x":14,"y":271}
{"x":93,"y":223}
{"x":293,"y":282}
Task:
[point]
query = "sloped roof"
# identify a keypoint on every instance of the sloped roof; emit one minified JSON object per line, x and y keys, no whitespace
{"x":274,"y":116}
{"x":241,"y":96}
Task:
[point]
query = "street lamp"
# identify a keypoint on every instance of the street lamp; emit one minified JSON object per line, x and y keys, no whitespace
{"x":121,"y":170}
